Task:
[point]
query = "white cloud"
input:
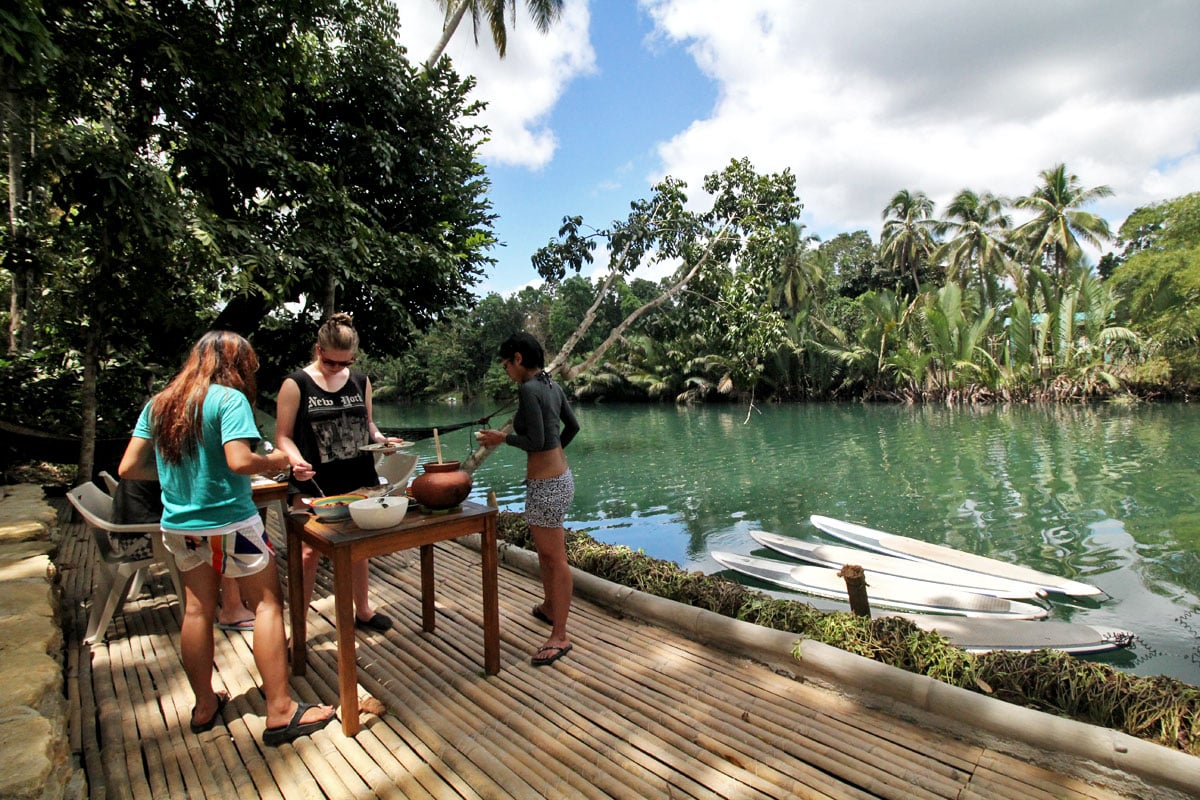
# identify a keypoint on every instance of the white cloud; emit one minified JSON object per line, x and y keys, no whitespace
{"x":522,"y":88}
{"x":861,"y":99}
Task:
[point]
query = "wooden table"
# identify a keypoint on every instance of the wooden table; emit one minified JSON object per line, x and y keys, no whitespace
{"x":344,"y":542}
{"x":268,"y":492}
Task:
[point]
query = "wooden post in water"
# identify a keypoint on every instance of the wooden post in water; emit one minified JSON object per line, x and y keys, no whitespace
{"x":856,"y":588}
{"x":491,"y":499}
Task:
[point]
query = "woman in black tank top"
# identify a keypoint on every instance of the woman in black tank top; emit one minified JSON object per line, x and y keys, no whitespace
{"x":323,"y":417}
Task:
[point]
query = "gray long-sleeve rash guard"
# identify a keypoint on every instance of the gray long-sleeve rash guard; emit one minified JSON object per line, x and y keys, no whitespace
{"x":542,"y":408}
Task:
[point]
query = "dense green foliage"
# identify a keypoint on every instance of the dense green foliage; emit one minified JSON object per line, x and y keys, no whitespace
{"x":247,"y":165}
{"x":1161,"y":710}
{"x":969,"y":306}
{"x":256,"y":165}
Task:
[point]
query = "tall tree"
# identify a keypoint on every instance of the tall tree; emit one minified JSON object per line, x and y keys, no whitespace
{"x":25,"y":47}
{"x":544,"y":13}
{"x":853,"y":259}
{"x":976,"y":250}
{"x":1158,"y":280}
{"x":799,"y":276}
{"x":747,"y":209}
{"x":908,"y":234}
{"x":1052,"y":237}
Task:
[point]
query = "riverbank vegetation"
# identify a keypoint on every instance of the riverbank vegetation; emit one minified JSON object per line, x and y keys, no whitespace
{"x":965,"y":306}
{"x":1161,"y":710}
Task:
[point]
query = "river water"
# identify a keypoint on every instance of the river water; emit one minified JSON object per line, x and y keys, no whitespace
{"x":1107,"y":495}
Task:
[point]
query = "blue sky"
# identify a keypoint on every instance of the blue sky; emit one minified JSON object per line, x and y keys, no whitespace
{"x":859,"y":99}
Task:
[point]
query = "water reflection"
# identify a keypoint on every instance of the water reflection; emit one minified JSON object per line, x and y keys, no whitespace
{"x":1105,"y":495}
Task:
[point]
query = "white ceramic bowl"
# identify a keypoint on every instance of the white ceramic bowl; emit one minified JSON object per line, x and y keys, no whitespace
{"x":378,"y":512}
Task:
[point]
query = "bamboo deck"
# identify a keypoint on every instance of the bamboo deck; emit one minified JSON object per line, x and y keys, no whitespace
{"x":633,"y":712}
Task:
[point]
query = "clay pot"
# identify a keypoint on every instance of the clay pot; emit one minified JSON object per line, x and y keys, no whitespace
{"x":441,"y":486}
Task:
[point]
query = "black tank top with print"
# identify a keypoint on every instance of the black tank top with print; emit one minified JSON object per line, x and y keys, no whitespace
{"x":330,"y":428}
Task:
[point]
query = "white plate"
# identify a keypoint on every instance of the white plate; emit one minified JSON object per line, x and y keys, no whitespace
{"x":386,"y":448}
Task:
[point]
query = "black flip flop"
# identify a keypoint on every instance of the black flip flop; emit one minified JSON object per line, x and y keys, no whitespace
{"x":201,"y":727}
{"x":273,"y":737}
{"x":377,"y":622}
{"x":558,"y":652}
{"x":542,"y":615}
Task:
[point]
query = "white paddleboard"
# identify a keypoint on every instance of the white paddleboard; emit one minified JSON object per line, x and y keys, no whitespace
{"x":884,"y":591}
{"x":832,"y":555}
{"x":904,"y":547}
{"x":976,"y":635}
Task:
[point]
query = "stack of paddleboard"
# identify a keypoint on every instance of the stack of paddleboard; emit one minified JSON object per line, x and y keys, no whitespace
{"x":940,"y":584}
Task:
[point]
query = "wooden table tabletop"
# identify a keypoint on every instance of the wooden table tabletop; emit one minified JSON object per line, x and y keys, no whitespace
{"x":344,"y":542}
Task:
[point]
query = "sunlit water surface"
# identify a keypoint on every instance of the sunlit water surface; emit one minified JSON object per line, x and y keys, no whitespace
{"x":1107,"y":495}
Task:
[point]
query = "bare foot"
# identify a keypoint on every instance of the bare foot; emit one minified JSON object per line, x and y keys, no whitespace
{"x":313,"y":714}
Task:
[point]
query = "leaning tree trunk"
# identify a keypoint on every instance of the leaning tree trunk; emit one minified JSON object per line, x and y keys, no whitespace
{"x":559,"y":362}
{"x":447,"y":33}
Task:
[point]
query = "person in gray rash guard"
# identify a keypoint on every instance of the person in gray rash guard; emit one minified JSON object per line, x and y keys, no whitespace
{"x":543,"y":425}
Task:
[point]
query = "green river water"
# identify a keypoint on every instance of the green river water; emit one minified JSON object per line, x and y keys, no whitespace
{"x":1108,"y":495}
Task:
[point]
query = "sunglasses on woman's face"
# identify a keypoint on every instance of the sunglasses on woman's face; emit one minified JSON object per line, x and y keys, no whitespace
{"x":329,"y":362}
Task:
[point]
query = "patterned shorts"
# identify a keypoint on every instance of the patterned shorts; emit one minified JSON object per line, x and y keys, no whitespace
{"x":547,"y":500}
{"x":241,"y":552}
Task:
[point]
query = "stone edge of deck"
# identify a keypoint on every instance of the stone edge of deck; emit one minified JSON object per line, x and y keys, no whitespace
{"x":34,"y":737}
{"x":1053,"y":741}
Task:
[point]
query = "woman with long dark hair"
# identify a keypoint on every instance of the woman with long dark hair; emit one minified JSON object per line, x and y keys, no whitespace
{"x":197,"y":438}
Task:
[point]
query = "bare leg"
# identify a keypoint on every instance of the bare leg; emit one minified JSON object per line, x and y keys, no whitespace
{"x":557,"y":582}
{"x":233,"y":609}
{"x":362,"y":604}
{"x":310,"y":559}
{"x":270,"y":653}
{"x":196,"y":637}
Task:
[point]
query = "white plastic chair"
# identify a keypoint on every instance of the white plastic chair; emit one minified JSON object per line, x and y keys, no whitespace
{"x":109,"y":481}
{"x":395,"y":469}
{"x":116,"y":578}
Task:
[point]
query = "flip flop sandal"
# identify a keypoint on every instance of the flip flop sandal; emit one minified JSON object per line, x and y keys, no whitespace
{"x":378,"y":622}
{"x":273,"y":737}
{"x":542,"y":615}
{"x":201,"y":727}
{"x":555,"y":654}
{"x":245,"y":625}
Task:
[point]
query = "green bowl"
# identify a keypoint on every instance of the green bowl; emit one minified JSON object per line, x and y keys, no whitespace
{"x":335,"y":506}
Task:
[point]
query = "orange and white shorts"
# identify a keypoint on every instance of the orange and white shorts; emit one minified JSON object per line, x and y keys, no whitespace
{"x":236,"y":550}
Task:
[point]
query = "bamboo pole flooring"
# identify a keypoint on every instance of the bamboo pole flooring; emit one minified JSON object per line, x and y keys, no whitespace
{"x":634,"y":711}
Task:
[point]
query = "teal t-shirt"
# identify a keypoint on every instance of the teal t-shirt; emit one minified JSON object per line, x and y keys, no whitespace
{"x":202,"y":492}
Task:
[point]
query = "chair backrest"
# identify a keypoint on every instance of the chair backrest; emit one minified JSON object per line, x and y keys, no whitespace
{"x":396,"y":468}
{"x":93,"y":505}
{"x":96,"y":509}
{"x":109,"y":481}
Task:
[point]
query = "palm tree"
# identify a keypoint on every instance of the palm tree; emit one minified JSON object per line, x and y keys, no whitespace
{"x":908,"y":234}
{"x":544,"y":13}
{"x":975,"y":248}
{"x":1052,"y":236}
{"x":801,"y":276}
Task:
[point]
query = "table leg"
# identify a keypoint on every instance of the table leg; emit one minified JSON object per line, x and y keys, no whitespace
{"x":427,"y":599}
{"x":343,"y":602}
{"x":297,"y":608}
{"x":491,"y":599}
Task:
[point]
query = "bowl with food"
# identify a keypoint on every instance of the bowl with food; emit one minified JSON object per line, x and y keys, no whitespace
{"x":335,"y":506}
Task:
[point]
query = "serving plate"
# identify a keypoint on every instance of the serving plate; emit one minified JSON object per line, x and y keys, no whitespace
{"x":387,"y":448}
